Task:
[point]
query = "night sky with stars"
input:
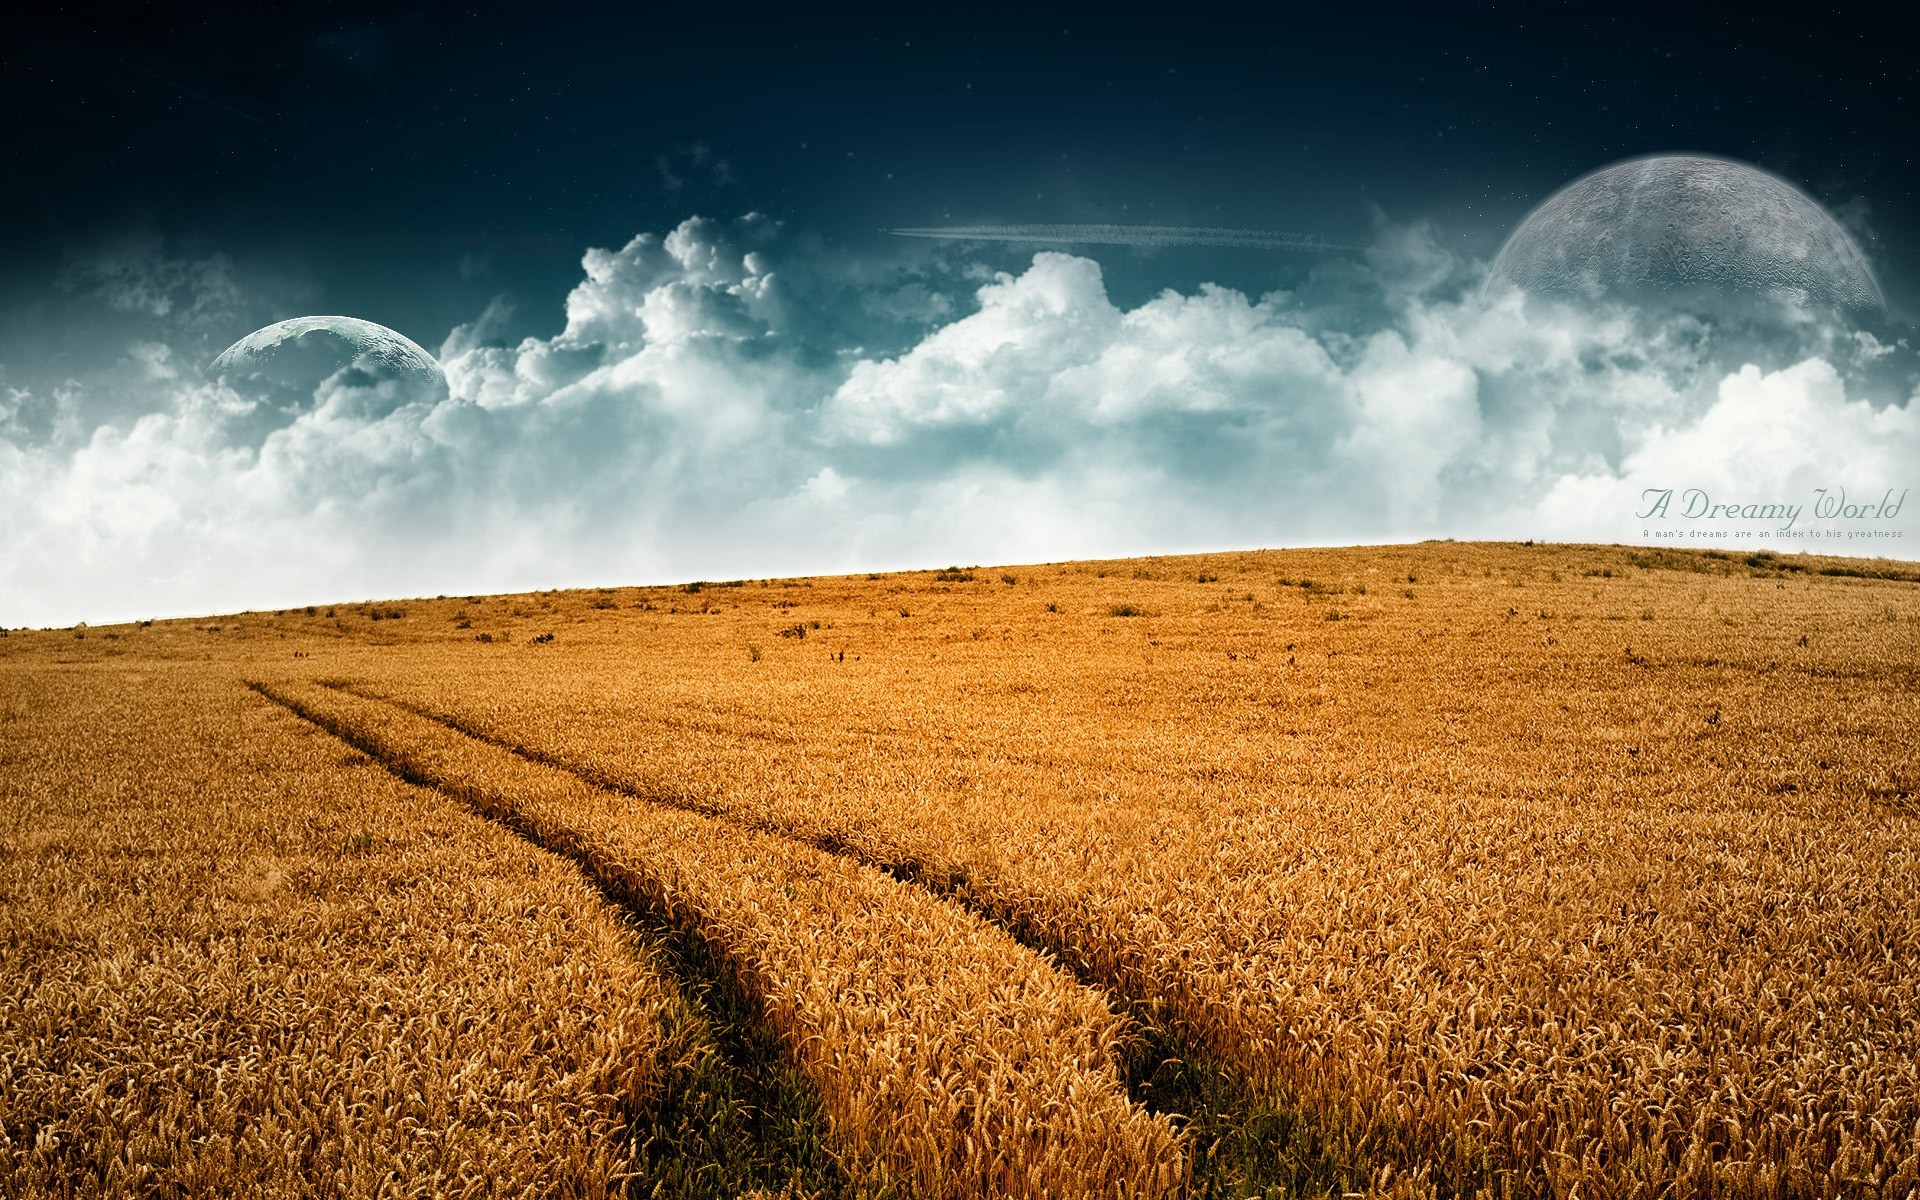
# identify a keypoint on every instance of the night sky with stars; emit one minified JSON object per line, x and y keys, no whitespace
{"x":399,"y":155}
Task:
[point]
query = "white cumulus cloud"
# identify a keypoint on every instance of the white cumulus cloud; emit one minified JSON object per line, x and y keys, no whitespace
{"x":730,"y":399}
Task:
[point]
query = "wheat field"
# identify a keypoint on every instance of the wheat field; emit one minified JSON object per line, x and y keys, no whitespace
{"x":1436,"y":870}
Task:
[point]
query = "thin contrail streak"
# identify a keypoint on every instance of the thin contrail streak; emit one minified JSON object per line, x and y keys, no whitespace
{"x":1128,"y":235}
{"x":174,"y":83}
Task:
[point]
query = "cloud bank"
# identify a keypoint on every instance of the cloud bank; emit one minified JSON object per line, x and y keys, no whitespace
{"x":730,"y":400}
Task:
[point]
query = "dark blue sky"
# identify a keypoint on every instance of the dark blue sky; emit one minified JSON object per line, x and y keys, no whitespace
{"x":407,"y":163}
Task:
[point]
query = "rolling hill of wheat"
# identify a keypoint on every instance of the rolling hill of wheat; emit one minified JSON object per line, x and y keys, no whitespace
{"x":1437,"y":870}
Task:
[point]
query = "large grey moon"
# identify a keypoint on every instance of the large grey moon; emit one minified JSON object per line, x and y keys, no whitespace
{"x":1684,"y":224}
{"x":315,"y":347}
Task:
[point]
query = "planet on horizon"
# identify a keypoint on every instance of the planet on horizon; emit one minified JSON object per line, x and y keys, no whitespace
{"x":1677,"y":226}
{"x":302,"y":352}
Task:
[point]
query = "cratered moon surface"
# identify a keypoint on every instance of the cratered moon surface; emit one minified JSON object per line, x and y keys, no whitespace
{"x":316,"y":347}
{"x":1684,"y":224}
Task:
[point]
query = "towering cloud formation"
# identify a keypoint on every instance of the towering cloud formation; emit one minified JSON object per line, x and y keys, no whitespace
{"x":729,"y":400}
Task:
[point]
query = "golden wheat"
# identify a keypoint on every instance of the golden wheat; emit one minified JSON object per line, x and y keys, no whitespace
{"x":1528,"y":870}
{"x":237,"y":958}
{"x":946,"y":1054}
{"x":1562,"y":873}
